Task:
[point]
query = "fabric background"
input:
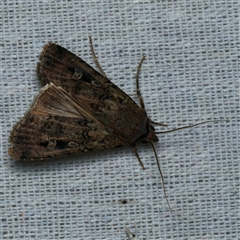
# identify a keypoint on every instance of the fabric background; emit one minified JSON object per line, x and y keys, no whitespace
{"x":191,"y":74}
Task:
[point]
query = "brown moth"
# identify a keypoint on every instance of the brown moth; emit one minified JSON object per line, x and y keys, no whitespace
{"x":79,"y":110}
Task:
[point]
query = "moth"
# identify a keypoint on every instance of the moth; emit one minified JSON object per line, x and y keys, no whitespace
{"x":78,"y":110}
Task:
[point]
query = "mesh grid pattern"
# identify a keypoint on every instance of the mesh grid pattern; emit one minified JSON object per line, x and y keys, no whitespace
{"x":191,"y":74}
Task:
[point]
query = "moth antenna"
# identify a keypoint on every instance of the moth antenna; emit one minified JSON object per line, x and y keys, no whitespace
{"x":135,"y":151}
{"x":95,"y":58}
{"x":189,"y":126}
{"x":137,"y":82}
{"x":157,"y":123}
{"x":160,"y":171}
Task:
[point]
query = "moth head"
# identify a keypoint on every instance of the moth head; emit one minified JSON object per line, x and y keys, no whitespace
{"x":151,"y":134}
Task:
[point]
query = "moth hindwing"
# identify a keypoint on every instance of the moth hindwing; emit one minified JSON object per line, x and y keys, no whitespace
{"x":77,"y":110}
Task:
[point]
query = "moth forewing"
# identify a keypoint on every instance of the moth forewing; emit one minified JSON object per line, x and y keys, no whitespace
{"x":57,"y":126}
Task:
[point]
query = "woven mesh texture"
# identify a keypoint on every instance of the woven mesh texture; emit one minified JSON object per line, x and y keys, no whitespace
{"x":191,"y":74}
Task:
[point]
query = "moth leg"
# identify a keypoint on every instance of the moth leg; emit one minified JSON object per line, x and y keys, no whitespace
{"x":137,"y":82}
{"x":135,"y":151}
{"x":95,"y":58}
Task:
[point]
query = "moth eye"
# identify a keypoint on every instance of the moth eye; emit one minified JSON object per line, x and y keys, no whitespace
{"x":51,"y":144}
{"x":77,"y":73}
{"x":72,"y":144}
{"x":152,"y":128}
{"x":96,"y":83}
